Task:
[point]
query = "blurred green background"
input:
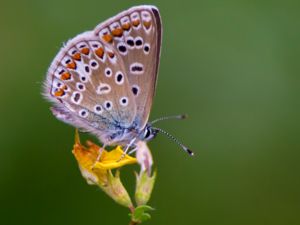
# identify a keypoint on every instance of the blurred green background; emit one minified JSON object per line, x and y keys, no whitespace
{"x":233,"y":66}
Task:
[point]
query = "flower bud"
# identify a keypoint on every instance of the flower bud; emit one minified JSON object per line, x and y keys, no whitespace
{"x":116,"y":190}
{"x":144,"y":187}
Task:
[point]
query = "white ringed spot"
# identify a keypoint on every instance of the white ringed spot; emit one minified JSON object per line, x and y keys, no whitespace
{"x":123,"y":101}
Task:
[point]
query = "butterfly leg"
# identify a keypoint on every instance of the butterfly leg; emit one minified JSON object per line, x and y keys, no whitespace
{"x":99,"y":155}
{"x":135,"y":148}
{"x":131,"y":143}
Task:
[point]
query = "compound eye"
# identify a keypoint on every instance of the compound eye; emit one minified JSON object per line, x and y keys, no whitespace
{"x":147,"y":133}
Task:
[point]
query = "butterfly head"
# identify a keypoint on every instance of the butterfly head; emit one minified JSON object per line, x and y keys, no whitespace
{"x":148,"y":133}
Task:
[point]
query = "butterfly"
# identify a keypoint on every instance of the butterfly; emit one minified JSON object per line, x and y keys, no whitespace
{"x":103,"y":81}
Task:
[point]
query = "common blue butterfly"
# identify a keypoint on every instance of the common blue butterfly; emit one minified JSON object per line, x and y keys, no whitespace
{"x":103,"y":81}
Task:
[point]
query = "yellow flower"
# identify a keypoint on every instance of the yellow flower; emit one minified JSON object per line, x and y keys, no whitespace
{"x":99,"y":172}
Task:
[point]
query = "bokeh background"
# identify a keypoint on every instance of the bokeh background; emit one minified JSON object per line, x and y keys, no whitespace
{"x":233,"y":66}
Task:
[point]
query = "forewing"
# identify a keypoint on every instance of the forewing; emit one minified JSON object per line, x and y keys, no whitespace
{"x":136,"y":35}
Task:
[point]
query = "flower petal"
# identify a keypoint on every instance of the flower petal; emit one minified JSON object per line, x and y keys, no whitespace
{"x":97,"y":172}
{"x":144,"y":157}
{"x":111,"y":160}
{"x":87,"y":156}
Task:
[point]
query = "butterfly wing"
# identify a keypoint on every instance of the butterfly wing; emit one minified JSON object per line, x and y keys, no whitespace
{"x":104,"y":80}
{"x":88,"y":83}
{"x":136,"y":36}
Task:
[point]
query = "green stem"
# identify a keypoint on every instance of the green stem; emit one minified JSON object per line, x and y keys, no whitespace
{"x":133,"y":223}
{"x":132,"y":208}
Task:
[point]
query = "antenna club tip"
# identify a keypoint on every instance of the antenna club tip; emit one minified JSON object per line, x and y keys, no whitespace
{"x":184,"y":116}
{"x":191,"y":153}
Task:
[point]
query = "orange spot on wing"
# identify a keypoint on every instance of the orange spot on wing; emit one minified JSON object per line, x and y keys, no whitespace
{"x":59,"y":93}
{"x":147,"y":24}
{"x":107,"y":37}
{"x":77,"y":56}
{"x":99,"y":52}
{"x":66,"y":76}
{"x":111,"y":54}
{"x":126,"y":26}
{"x":118,"y":32}
{"x":136,"y":23}
{"x":72,"y":65}
{"x":85,"y":51}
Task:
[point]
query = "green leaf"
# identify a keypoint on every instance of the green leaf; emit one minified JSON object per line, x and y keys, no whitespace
{"x":139,"y":215}
{"x":145,"y":217}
